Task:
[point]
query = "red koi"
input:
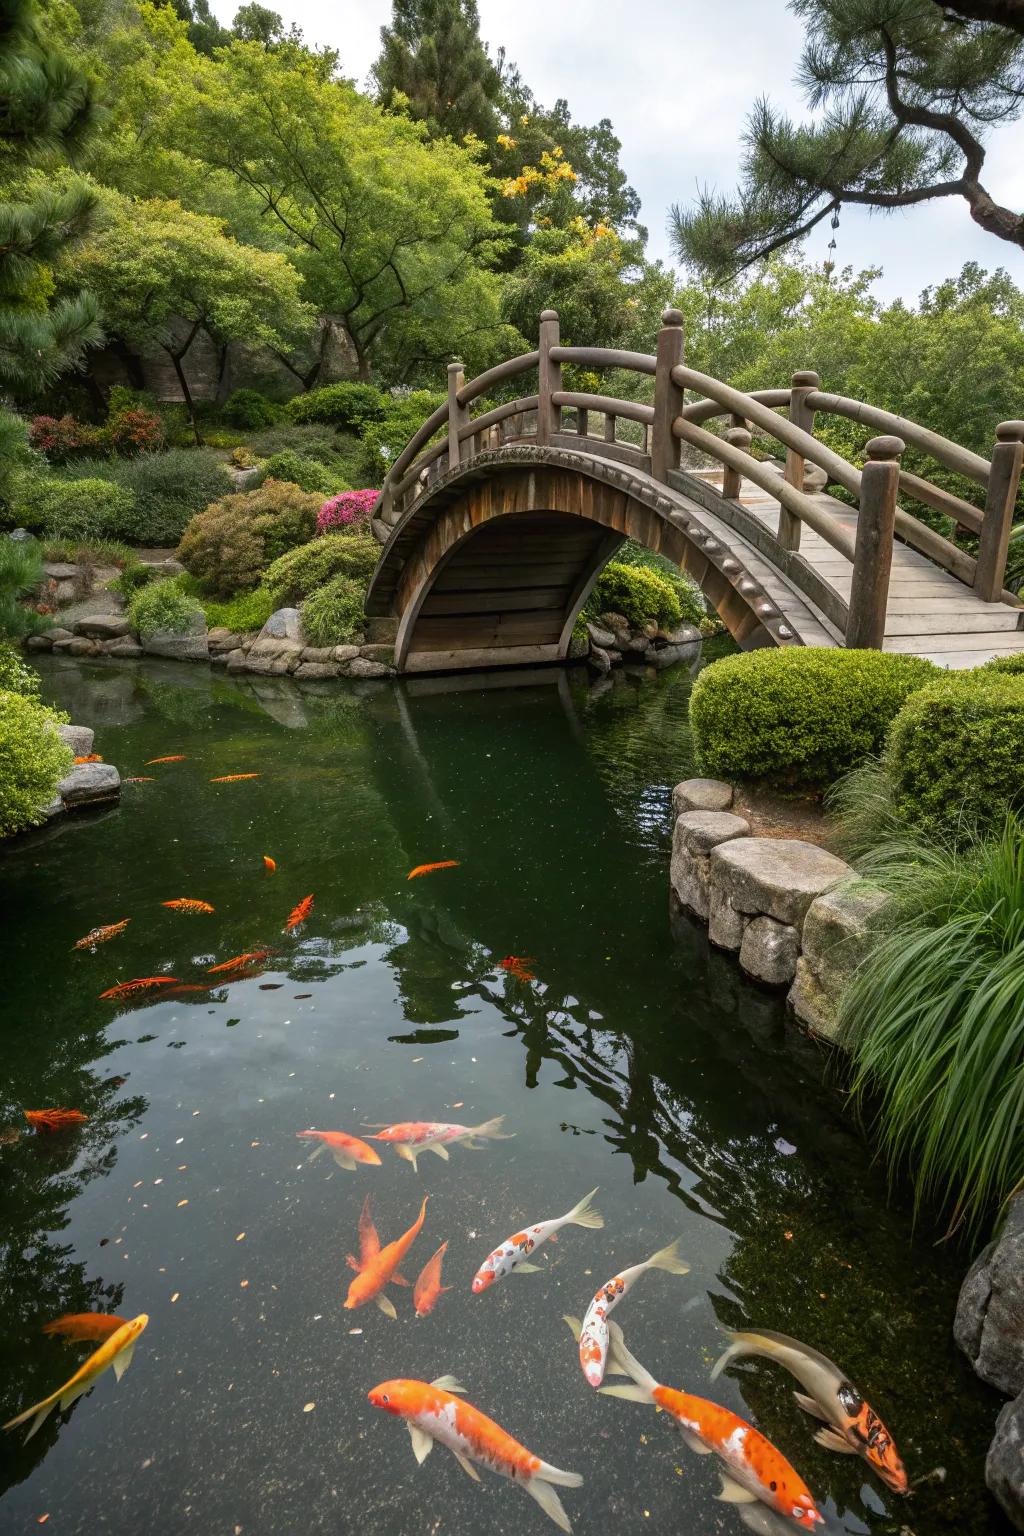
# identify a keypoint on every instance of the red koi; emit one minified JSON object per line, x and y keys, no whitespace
{"x":298,"y":914}
{"x":517,"y":967}
{"x":239,"y":962}
{"x":187,"y":904}
{"x":102,"y":935}
{"x":140,"y":984}
{"x":428,"y":1287}
{"x":85,"y":1325}
{"x":54,"y":1119}
{"x":428,"y":869}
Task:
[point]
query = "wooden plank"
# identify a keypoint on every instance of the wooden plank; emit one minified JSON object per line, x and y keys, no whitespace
{"x":955,"y":659}
{"x":925,"y":623}
{"x":928,"y":644}
{"x":495,"y":602}
{"x":456,"y":578}
{"x":505,"y":656}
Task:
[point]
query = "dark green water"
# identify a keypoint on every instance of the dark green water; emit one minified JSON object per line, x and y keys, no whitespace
{"x":639,"y":1061}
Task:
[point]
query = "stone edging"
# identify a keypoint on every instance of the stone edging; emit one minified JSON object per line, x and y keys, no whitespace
{"x":87,"y":783}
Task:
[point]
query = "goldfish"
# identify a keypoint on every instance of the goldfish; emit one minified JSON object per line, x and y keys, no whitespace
{"x":377,"y":1266}
{"x":237,"y":962}
{"x":593,"y":1334}
{"x":102,"y":935}
{"x":428,"y":1286}
{"x":233,"y":778}
{"x":754,"y":1468}
{"x":514,"y":1250}
{"x":269,"y":864}
{"x":298,"y":914}
{"x":428,"y":869}
{"x":115,"y":1351}
{"x":432,"y":1136}
{"x":178,"y":758}
{"x":852,"y":1426}
{"x":518,"y":966}
{"x":54,"y":1119}
{"x":431,"y":1412}
{"x":346,"y":1150}
{"x":140,"y":984}
{"x":85,"y":1325}
{"x":90,"y":757}
{"x":188,"y":904}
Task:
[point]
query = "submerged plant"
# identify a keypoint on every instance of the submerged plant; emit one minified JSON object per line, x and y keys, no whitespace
{"x":935,"y":1022}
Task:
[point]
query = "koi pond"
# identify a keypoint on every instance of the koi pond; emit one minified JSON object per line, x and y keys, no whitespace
{"x":622,"y":1051}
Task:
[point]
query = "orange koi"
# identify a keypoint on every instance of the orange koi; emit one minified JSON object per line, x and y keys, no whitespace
{"x":178,"y":758}
{"x":377,"y":1266}
{"x":412,"y":1137}
{"x":91,"y":757}
{"x":346,"y":1150}
{"x":428,"y":1287}
{"x":54,"y":1119}
{"x":239,"y":962}
{"x":187,"y":904}
{"x":115,"y":1351}
{"x":298,"y":914}
{"x":140,"y":984}
{"x":432,"y":1413}
{"x":102,"y":935}
{"x":517,"y":966}
{"x":145,"y":778}
{"x":269,"y":864}
{"x":428,"y":869}
{"x":85,"y":1325}
{"x":233,"y":778}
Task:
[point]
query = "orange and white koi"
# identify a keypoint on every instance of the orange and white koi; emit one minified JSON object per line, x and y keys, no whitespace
{"x":853,"y":1427}
{"x":754,"y":1469}
{"x":346,"y":1150}
{"x":116,"y":1351}
{"x":85,"y":1325}
{"x":518,"y":966}
{"x":513,"y":1252}
{"x":431,"y":1412}
{"x":90,"y":757}
{"x":47,"y":1120}
{"x":188,"y":904}
{"x":593,"y":1334}
{"x":233,"y":778}
{"x":239,"y":962}
{"x":269,"y":864}
{"x":376,"y":1267}
{"x":179,"y":757}
{"x":428,"y":869}
{"x":102,"y":935}
{"x":411,"y":1137}
{"x":428,"y":1287}
{"x":298,"y":914}
{"x":139,"y":984}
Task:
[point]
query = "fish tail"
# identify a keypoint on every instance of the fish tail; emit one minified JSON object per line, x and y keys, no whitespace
{"x":668,"y":1258}
{"x":548,"y":1500}
{"x":583,"y":1214}
{"x":549,"y":1474}
{"x":742,"y":1344}
{"x":38,"y":1412}
{"x":492,"y":1128}
{"x":620,"y":1359}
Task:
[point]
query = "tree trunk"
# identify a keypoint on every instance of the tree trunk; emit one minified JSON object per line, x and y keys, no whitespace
{"x":186,"y":393}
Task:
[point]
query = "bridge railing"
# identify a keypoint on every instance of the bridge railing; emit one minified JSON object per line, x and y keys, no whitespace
{"x":805,"y":467}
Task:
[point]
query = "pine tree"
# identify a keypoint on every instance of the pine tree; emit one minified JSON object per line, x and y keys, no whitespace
{"x":433,"y":55}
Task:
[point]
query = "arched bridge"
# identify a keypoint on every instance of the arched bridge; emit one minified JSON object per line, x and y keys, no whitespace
{"x":495,"y":527}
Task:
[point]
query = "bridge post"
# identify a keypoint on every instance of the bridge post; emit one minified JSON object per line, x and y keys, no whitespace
{"x":732,"y":480}
{"x":802,"y":384}
{"x":872,"y":562}
{"x":1003,"y":482}
{"x":458,"y":416}
{"x":668,"y":397}
{"x":549,"y":378}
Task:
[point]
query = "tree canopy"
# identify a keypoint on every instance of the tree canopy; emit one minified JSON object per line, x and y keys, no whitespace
{"x":433,"y":58}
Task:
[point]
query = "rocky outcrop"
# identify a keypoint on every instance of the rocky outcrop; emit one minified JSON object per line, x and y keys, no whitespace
{"x":695,"y":835}
{"x":1004,"y":1464}
{"x":89,"y":783}
{"x":777,"y":876}
{"x":989,"y":1325}
{"x":78,"y":737}
{"x":612,"y":640}
{"x":103,"y":626}
{"x":835,"y":939}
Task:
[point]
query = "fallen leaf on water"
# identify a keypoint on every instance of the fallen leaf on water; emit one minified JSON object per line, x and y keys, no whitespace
{"x":309,"y":1407}
{"x":788,"y":1236}
{"x":181,"y":1203}
{"x":243,"y":1284}
{"x":416,"y":1059}
{"x":42,"y":1519}
{"x":176,"y":1295}
{"x":238,"y":1239}
{"x":355,"y":1330}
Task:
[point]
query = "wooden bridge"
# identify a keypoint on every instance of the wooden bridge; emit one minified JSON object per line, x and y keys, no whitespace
{"x":495,"y":527}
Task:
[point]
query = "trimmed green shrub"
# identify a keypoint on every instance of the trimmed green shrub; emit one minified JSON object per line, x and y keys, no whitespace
{"x":297,"y":574}
{"x":955,"y":755}
{"x":86,"y":508}
{"x":163,"y":608}
{"x":384,"y":440}
{"x":800,"y":716}
{"x":692,"y":606}
{"x":15,"y":676}
{"x":1003,"y":664}
{"x":333,"y":614}
{"x":229,"y":545}
{"x":640,"y":595}
{"x":33,"y":760}
{"x":248,"y":408}
{"x":308,"y":474}
{"x":247,"y":611}
{"x":167,"y":489}
{"x":134,"y":575}
{"x":341,"y":405}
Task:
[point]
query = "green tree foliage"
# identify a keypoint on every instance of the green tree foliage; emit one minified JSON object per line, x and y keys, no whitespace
{"x":433,"y":61}
{"x":229,"y":545}
{"x":904,"y":96}
{"x":602,"y":296}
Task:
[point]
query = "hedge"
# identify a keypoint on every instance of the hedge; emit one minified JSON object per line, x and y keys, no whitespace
{"x":346,"y":404}
{"x":799,"y":717}
{"x":33,"y":760}
{"x":88,"y":508}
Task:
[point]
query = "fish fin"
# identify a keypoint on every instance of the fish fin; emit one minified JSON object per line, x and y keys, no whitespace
{"x":810,"y":1406}
{"x":73,"y":1395}
{"x":733,"y":1493}
{"x":696,"y":1445}
{"x":397,"y":1279}
{"x":353,"y":1263}
{"x":343,"y":1160}
{"x":38,"y":1421}
{"x":632,"y":1393}
{"x":833,"y":1441}
{"x":492,"y":1128}
{"x":525,"y":1268}
{"x":448,"y":1384}
{"x":620,"y":1357}
{"x":467,"y":1466}
{"x":39,"y":1409}
{"x":549,"y":1502}
{"x":386,"y":1305}
{"x":316,"y":1152}
{"x":369,"y":1242}
{"x":123,"y":1359}
{"x":668,"y":1258}
{"x":583,"y":1215}
{"x":575,"y":1325}
{"x":405,"y":1151}
{"x":736,"y":1348}
{"x":437,"y":1149}
{"x":422,"y":1443}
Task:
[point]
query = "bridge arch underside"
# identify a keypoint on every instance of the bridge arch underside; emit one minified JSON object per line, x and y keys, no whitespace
{"x":495,"y":572}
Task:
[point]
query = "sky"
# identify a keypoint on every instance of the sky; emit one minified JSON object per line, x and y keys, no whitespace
{"x":676,"y":78}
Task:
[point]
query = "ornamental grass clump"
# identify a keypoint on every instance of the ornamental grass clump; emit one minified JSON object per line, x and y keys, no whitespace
{"x":935,"y":1022}
{"x":33,"y":760}
{"x":333,"y":614}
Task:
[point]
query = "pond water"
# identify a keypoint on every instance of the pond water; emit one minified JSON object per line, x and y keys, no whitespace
{"x":637,"y":1060}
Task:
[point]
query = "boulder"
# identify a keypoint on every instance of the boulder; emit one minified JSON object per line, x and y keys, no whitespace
{"x":268,"y":649}
{"x":1004,"y":1464}
{"x":221,"y":639}
{"x":316,"y":670}
{"x":599,"y":659}
{"x":88,"y":783}
{"x":266,"y":666}
{"x":725,"y":924}
{"x":102,"y":626}
{"x":360,"y":666}
{"x":168,"y":567}
{"x":285,"y":624}
{"x":81,"y":646}
{"x":701,"y":795}
{"x":694,"y":836}
{"x":343,"y":653}
{"x":579,"y":645}
{"x":191,"y":646}
{"x":602,"y":637}
{"x":989,"y":1324}
{"x":671,"y":655}
{"x":60,"y":570}
{"x":613,"y":621}
{"x":235,"y":660}
{"x":769,"y":951}
{"x":127,"y":648}
{"x":55,"y":808}
{"x":318,"y":653}
{"x":777,"y":876}
{"x":632,"y":642}
{"x":42,"y":642}
{"x":245,"y":479}
{"x":78,"y":737}
{"x":835,"y":938}
{"x":385,"y":654}
{"x":56,"y":633}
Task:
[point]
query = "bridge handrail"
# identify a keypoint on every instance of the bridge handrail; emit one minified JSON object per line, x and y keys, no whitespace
{"x":632,"y":410}
{"x":709,"y":410}
{"x":604,"y":357}
{"x":434,"y":422}
{"x":497,"y":375}
{"x":499,"y":413}
{"x":951,"y":454}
